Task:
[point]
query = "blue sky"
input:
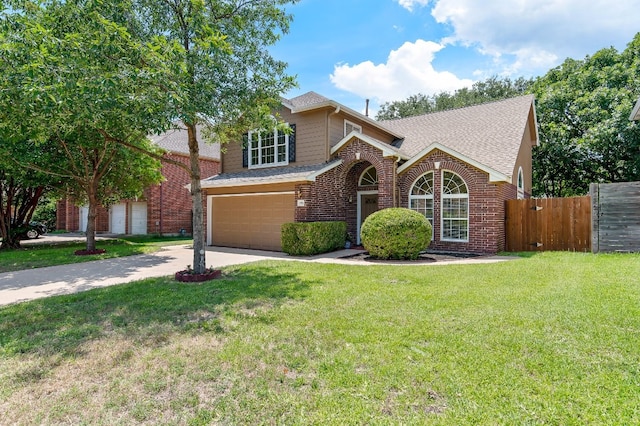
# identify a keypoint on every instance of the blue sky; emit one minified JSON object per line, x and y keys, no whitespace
{"x":387,"y":50}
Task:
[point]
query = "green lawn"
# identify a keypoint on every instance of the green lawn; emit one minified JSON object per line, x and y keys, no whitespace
{"x":550,"y":338}
{"x":43,"y":254}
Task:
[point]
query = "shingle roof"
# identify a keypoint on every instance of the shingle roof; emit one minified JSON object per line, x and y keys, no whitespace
{"x":175,"y":140}
{"x":307,"y":99}
{"x":269,"y":175}
{"x":489,"y":133}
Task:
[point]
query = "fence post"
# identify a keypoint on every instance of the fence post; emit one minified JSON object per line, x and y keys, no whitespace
{"x":594,"y":192}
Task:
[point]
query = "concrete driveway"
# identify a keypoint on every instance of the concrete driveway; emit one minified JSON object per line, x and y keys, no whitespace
{"x":65,"y":279}
{"x":32,"y":284}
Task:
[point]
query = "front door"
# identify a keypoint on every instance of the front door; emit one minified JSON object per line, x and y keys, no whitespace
{"x":368,"y":203}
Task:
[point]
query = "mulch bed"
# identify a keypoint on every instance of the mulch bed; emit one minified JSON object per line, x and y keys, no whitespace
{"x":423,"y":258}
{"x":89,"y":252}
{"x":190,"y":277}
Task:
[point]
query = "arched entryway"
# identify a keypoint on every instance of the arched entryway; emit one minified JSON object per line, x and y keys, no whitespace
{"x":362,"y":196}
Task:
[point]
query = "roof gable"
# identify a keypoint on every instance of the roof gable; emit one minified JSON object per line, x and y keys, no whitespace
{"x":386,"y":149}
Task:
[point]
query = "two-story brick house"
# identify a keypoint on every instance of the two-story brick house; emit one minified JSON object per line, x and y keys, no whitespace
{"x":456,"y":167}
{"x":162,"y":209}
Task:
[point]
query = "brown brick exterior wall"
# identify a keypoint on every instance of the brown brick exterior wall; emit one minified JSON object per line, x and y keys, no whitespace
{"x":168,"y":204}
{"x":334,"y":196}
{"x":486,"y":204}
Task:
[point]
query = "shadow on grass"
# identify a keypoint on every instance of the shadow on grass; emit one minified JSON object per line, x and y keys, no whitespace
{"x":141,"y":310}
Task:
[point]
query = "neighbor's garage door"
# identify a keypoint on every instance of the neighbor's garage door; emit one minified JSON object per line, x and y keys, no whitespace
{"x":251,"y":220}
{"x":138,"y":218}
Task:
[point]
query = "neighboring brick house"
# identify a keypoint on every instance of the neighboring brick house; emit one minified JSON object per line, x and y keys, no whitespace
{"x":162,"y":209}
{"x":456,"y":167}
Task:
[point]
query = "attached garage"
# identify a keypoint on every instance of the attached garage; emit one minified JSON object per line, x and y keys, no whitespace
{"x":250,"y":220}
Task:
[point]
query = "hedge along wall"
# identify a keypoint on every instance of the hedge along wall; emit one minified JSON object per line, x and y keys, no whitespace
{"x":309,"y":238}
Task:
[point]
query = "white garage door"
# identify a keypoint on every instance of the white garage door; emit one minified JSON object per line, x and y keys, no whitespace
{"x":138,"y":218}
{"x":118,"y":216}
{"x":251,"y":220}
{"x":84,"y":218}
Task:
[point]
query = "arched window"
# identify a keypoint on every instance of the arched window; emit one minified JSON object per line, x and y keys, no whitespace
{"x":369,"y":177}
{"x":455,"y":208}
{"x":421,"y":196}
{"x":520,"y":184}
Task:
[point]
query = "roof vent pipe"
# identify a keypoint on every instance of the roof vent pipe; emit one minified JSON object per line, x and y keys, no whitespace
{"x":366,"y":108}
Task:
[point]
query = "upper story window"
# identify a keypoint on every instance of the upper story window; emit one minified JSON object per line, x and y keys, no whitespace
{"x":267,"y":149}
{"x":369,"y":177}
{"x":350,"y":127}
{"x":520,"y":184}
{"x":455,"y":208}
{"x":421,"y":196}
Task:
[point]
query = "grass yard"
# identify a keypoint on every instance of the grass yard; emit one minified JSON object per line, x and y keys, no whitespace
{"x":43,"y":254}
{"x":552,"y":338}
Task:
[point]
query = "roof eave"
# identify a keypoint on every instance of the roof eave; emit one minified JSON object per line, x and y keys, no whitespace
{"x":311,"y":177}
{"x":336,"y":105}
{"x":494,"y":175}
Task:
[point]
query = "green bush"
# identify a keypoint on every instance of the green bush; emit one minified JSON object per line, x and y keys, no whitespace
{"x":308,"y":238}
{"x":395,"y":233}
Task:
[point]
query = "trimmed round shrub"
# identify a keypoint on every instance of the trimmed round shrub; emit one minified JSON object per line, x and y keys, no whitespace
{"x":395,"y":233}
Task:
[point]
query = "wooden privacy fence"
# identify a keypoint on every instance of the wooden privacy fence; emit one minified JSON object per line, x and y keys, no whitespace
{"x":616,"y":216}
{"x":548,"y":224}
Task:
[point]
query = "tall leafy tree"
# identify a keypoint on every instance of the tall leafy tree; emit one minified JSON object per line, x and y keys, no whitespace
{"x":491,"y":89}
{"x":74,"y":80}
{"x":221,"y":76}
{"x":583,"y":109}
{"x":20,"y":191}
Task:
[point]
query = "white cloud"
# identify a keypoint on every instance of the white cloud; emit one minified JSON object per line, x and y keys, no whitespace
{"x":541,"y":33}
{"x":408,"y":71}
{"x":409,"y":4}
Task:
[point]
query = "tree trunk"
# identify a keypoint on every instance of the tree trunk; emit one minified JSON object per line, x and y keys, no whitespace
{"x":91,"y":217}
{"x":199,"y":260}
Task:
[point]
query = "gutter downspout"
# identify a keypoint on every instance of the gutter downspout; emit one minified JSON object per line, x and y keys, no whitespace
{"x":396,"y":193}
{"x":328,"y":141}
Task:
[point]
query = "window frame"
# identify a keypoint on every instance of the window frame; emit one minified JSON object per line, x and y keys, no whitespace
{"x":280,"y":140}
{"x":453,"y":196}
{"x":366,"y":172}
{"x":425,"y":197}
{"x":353,"y":125}
{"x":520,"y":184}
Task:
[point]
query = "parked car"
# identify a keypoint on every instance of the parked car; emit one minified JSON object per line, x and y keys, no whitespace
{"x":32,"y":230}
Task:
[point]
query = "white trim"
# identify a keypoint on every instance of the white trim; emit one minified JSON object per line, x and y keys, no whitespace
{"x":209,"y":220}
{"x":309,"y":178}
{"x":360,"y":116}
{"x":635,"y":113}
{"x":494,"y":175}
{"x":520,"y":190}
{"x":359,"y":195}
{"x":453,"y":196}
{"x":386,"y":149}
{"x":365,"y":171}
{"x":431,"y":197}
{"x":353,"y":125}
{"x":276,"y":163}
{"x":312,"y":177}
{"x":250,"y":194}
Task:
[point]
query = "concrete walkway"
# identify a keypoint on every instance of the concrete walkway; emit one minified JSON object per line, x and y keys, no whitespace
{"x":31,"y":284}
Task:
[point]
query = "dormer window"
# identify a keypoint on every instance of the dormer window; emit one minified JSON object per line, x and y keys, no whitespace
{"x":350,"y":127}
